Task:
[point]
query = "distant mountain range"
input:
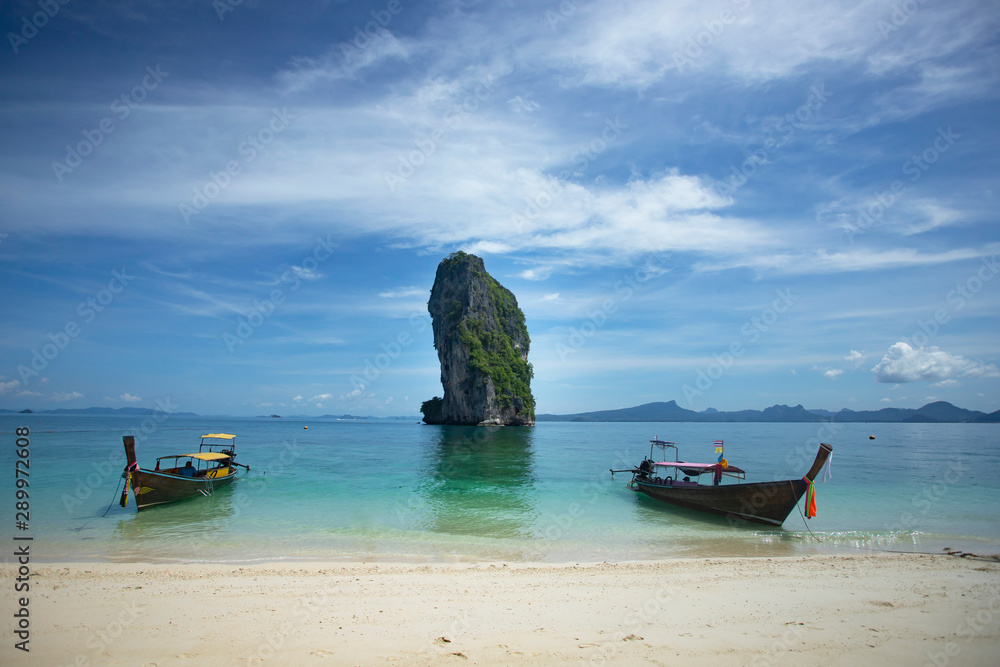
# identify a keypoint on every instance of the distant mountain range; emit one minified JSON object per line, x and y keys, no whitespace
{"x":937,"y":412}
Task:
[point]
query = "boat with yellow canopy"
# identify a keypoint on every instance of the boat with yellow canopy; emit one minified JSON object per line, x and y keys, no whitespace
{"x":182,"y":475}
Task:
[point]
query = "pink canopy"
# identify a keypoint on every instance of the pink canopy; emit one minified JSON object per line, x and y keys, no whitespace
{"x":696,"y":466}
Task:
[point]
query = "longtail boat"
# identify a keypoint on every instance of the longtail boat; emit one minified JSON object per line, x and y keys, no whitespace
{"x":185,"y":475}
{"x":759,"y":502}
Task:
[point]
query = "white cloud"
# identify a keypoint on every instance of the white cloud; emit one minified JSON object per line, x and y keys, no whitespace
{"x":62,"y":396}
{"x":129,"y":398}
{"x":520,"y":105}
{"x":321,"y":397}
{"x":885,"y":400}
{"x":535,"y":274}
{"x":343,"y":60}
{"x":404,"y":292}
{"x":8,"y":386}
{"x":855,"y":358}
{"x":853,"y":260}
{"x":635,"y":44}
{"x":306,"y":274}
{"x":833,"y":373}
{"x":903,"y":364}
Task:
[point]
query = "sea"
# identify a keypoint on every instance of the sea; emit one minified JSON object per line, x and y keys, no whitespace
{"x":400,"y":491}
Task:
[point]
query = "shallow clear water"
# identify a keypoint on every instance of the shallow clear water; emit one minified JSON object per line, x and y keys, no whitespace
{"x":400,"y":491}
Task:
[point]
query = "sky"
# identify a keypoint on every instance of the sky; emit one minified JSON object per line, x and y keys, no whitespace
{"x":238,"y":207}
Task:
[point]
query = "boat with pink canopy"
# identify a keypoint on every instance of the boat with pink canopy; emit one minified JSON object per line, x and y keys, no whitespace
{"x":678,"y":483}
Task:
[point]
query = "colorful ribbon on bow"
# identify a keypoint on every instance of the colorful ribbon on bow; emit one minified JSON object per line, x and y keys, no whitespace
{"x":810,"y":497}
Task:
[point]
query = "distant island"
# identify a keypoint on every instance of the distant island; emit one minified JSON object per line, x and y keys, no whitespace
{"x":131,"y":412}
{"x":937,"y":412}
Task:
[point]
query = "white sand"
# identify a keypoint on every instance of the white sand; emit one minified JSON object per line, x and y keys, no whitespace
{"x":822,"y":610}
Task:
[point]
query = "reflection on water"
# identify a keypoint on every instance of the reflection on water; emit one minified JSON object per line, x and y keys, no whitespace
{"x":175,"y":530}
{"x":478,"y":481}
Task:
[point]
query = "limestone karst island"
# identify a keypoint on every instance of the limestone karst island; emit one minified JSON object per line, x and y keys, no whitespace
{"x":482,"y":343}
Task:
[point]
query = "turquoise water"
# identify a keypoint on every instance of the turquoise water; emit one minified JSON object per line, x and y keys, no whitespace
{"x":400,"y":491}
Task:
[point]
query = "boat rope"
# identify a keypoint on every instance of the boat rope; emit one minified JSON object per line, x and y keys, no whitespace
{"x":804,"y":522}
{"x":112,"y":501}
{"x":990,"y":558}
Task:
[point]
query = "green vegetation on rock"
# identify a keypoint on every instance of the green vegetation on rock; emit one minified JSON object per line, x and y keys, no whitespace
{"x":479,"y":325}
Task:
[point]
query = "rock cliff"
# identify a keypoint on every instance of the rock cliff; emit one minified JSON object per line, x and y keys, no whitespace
{"x":482,"y":343}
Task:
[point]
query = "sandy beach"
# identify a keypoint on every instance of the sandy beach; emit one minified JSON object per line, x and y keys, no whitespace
{"x":830,"y":610}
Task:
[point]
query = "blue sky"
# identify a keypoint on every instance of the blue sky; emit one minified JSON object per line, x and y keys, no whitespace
{"x":238,"y":208}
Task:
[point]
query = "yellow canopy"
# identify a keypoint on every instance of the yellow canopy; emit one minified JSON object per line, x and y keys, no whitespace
{"x":225,"y":436}
{"x":208,"y":456}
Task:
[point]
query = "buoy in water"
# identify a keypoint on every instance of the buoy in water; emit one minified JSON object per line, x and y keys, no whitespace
{"x":306,"y":427}
{"x":871,"y":437}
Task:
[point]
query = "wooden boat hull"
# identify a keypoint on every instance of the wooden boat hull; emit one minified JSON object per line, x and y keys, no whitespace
{"x":768,"y":503}
{"x":155,"y":488}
